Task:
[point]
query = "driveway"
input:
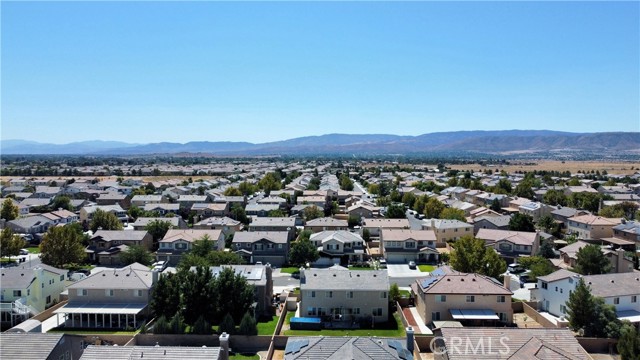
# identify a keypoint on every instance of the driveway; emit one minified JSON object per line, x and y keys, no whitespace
{"x":402,"y":270}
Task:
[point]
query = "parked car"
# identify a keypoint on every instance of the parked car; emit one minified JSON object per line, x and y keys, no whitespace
{"x":412,"y":264}
{"x":160,"y":265}
{"x":515,"y":268}
{"x":24,"y":252}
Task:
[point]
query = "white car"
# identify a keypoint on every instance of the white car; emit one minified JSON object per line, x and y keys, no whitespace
{"x":160,"y":265}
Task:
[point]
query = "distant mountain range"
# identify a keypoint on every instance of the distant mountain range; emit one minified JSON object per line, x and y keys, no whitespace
{"x":487,"y":142}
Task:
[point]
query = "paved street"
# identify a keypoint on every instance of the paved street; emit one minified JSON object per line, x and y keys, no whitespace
{"x":416,"y":224}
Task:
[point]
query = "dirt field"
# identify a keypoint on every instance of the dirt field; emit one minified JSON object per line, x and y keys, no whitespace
{"x":618,"y":168}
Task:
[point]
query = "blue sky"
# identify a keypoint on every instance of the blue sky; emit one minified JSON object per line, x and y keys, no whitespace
{"x":172,"y":71}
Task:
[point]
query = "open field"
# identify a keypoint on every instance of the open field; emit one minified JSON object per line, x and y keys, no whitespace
{"x":618,"y":168}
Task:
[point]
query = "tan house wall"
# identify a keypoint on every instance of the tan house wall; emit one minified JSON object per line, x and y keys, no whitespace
{"x":454,"y":301}
{"x":120,"y":296}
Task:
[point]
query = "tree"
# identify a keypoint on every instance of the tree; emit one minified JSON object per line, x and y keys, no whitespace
{"x":396,"y":211}
{"x":276,"y":213}
{"x":201,"y":327}
{"x":523,"y":189}
{"x":312,"y":212}
{"x":10,"y":243}
{"x":502,"y":187}
{"x":538,"y":265}
{"x":625,"y":209}
{"x":136,"y":253}
{"x":546,"y":250}
{"x":239,"y":214}
{"x":165,"y":296}
{"x":197,"y":292}
{"x":161,"y":326}
{"x":248,"y":325}
{"x":580,"y":308}
{"x":555,"y":197}
{"x":158,"y":229}
{"x":346,"y":183}
{"x":61,"y":202}
{"x":353,"y":221}
{"x":394,"y":293}
{"x":61,"y":246}
{"x":227,"y":325}
{"x":496,"y":206}
{"x":247,"y":188}
{"x":271,"y":181}
{"x":302,"y":252}
{"x":546,"y":223}
{"x":433,"y":208}
{"x":9,"y":211}
{"x":229,"y":285}
{"x":470,"y":255}
{"x":177,"y":325}
{"x":629,"y":342}
{"x":409,"y":199}
{"x":105,"y":221}
{"x":366,"y":235}
{"x":453,"y":214}
{"x":232,"y":191}
{"x":521,"y":222}
{"x":591,"y":261}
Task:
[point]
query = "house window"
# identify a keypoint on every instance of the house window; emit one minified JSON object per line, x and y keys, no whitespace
{"x":616,"y":301}
{"x":376,"y":311}
{"x":61,"y":277}
{"x":634,"y":299}
{"x":137,"y":293}
{"x":279,"y":246}
{"x":108,"y":292}
{"x":570,"y":280}
{"x":82,"y":292}
{"x":329,"y":294}
{"x":17,"y":293}
{"x":311,"y":311}
{"x":556,"y":289}
{"x":313,"y":294}
{"x":501,"y":298}
{"x":28,"y":292}
{"x":563,"y":309}
{"x":435,"y":316}
{"x":543,"y":285}
{"x":349,"y":294}
{"x":441,"y":298}
{"x":503,"y":317}
{"x":356,"y":311}
{"x":383,"y":295}
{"x":471,"y":298}
{"x":49,"y":299}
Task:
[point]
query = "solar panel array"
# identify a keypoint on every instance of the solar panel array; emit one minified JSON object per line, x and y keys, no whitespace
{"x":403,"y":353}
{"x":294,"y":346}
{"x":425,"y":283}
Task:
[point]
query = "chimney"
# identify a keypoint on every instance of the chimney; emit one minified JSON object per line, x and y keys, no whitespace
{"x":224,"y":346}
{"x":302,"y":277}
{"x":154,"y":276}
{"x":410,"y":339}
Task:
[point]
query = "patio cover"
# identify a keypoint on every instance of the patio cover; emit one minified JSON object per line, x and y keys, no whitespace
{"x":95,"y":308}
{"x":629,"y":315}
{"x":474,"y":314}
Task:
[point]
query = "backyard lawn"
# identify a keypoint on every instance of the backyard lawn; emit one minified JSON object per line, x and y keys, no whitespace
{"x":426,"y":268}
{"x":33,"y":250}
{"x":244,"y":357}
{"x":393,"y":328}
{"x":360,"y":268}
{"x":290,"y":270}
{"x":268,"y":327}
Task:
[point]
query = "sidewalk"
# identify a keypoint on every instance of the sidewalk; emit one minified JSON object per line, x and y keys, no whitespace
{"x":420,"y":322}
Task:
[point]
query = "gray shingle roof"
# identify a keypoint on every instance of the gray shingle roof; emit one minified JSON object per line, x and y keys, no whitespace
{"x":340,"y":348}
{"x":120,"y":235}
{"x":277,"y":237}
{"x":345,"y":280}
{"x":13,"y":278}
{"x":93,"y":352}
{"x":130,"y":277}
{"x":28,"y":346}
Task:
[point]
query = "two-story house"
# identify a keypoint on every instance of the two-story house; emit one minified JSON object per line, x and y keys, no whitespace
{"x":562,"y":214}
{"x":226,"y":224}
{"x":28,"y":290}
{"x":619,"y":290}
{"x":628,"y":230}
{"x":113,"y":299}
{"x":260,"y":276}
{"x":262,"y":246}
{"x":162,"y":208}
{"x":284,"y":224}
{"x":176,"y":242}
{"x":375,"y":226}
{"x":472,"y":299}
{"x":338,"y":247}
{"x":176,"y":222}
{"x":619,"y":262}
{"x":187,"y":201}
{"x":447,"y":230}
{"x":402,"y":246}
{"x":34,"y":224}
{"x":534,"y":209}
{"x":207,"y":210}
{"x":511,"y":244}
{"x":326,"y":224}
{"x":86,"y":213}
{"x":345,"y":295}
{"x":592,"y":226}
{"x":106,"y":246}
{"x":141,"y":200}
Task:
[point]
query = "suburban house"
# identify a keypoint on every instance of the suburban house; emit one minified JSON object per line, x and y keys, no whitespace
{"x":511,"y":244}
{"x":534,"y":209}
{"x":491,"y":222}
{"x":402,"y":246}
{"x":338,"y":247}
{"x":35,"y":224}
{"x":363,"y":211}
{"x":326,"y":224}
{"x":62,"y":216}
{"x":162,"y":208}
{"x":345,"y":295}
{"x":619,"y":290}
{"x":508,"y":343}
{"x":114,"y":298}
{"x":319,"y":201}
{"x":284,"y":224}
{"x":274,"y":200}
{"x":141,"y":200}
{"x":260,"y":277}
{"x":447,"y":230}
{"x":113,"y":198}
{"x":592,"y":226}
{"x":227,"y":225}
{"x":262,"y":246}
{"x":261,"y":210}
{"x":472,"y":299}
{"x":176,"y":222}
{"x":179,"y":241}
{"x":187,"y":201}
{"x":619,"y":262}
{"x":207,"y":210}
{"x":106,"y":246}
{"x":375,"y":226}
{"x":157,"y":352}
{"x":628,"y":230}
{"x":348,"y":347}
{"x":86,"y":213}
{"x":40,"y":346}
{"x":562,"y":214}
{"x":29,"y":290}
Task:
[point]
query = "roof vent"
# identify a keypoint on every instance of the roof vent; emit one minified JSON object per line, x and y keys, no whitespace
{"x":473,"y":279}
{"x":612,"y":281}
{"x":448,"y":279}
{"x":374,"y":275}
{"x":334,"y":275}
{"x":461,"y":279}
{"x":358,"y":275}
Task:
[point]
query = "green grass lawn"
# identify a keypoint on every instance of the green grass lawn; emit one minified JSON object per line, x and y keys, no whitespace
{"x":405,"y":293}
{"x":390,"y":329}
{"x":290,"y":270}
{"x":244,"y":357}
{"x":33,"y":250}
{"x":426,"y":268}
{"x":268,"y":327}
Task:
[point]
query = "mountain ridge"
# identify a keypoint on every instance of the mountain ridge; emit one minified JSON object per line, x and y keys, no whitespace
{"x":485,"y":141}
